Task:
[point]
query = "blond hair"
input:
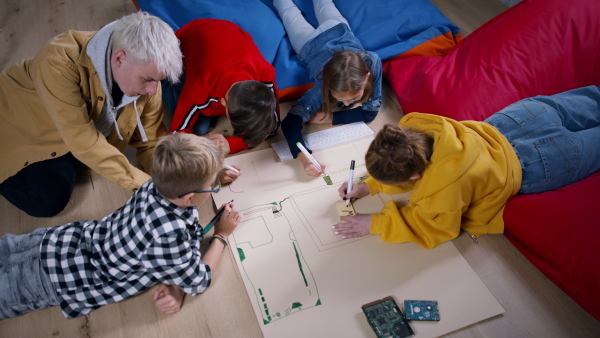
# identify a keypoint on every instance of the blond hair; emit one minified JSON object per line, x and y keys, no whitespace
{"x":184,"y":162}
{"x":148,"y":38}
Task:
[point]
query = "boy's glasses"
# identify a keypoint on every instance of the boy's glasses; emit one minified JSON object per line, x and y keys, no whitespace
{"x":216,"y":187}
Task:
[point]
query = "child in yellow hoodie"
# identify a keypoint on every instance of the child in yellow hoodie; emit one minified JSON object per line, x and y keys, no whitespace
{"x":462,"y":174}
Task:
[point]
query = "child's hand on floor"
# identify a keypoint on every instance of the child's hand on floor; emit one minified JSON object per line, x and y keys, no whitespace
{"x":168,"y":298}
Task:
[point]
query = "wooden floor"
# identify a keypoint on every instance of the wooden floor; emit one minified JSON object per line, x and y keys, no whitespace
{"x":535,"y":307}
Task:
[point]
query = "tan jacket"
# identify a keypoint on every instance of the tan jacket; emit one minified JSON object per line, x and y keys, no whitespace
{"x":48,"y":105}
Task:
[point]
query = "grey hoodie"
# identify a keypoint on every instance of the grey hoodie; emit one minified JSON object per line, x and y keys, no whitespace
{"x":99,"y":50}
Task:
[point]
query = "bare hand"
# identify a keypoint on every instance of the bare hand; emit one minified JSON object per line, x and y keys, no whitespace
{"x":227,"y":175}
{"x":321,"y":118}
{"x":229,"y":220}
{"x":168,"y":298}
{"x":358,"y":191}
{"x":221,"y":142}
{"x":356,"y":226}
{"x":309,"y":168}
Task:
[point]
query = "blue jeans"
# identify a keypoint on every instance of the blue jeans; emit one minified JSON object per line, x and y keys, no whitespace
{"x":557,"y":138}
{"x":42,"y":189}
{"x":24,"y":285}
{"x":299,"y":31}
{"x":170,"y":95}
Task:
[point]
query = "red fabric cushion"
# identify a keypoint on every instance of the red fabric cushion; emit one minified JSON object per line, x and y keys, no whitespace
{"x":538,"y":47}
{"x":559,"y":232}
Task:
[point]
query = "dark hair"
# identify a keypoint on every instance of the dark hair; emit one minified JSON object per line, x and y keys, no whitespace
{"x":251,"y":106}
{"x":397,"y":153}
{"x":345,"y":72}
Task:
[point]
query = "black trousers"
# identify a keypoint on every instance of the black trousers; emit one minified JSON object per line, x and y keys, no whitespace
{"x":42,"y":189}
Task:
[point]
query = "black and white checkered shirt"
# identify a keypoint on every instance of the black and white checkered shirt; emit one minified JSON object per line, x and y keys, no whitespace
{"x":148,"y":240}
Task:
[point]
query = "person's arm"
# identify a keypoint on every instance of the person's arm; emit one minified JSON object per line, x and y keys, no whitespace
{"x":236,"y":144}
{"x":299,"y":114}
{"x":292,"y":130}
{"x":226,"y":175}
{"x":353,"y":115}
{"x":376,"y":187}
{"x":168,"y":298}
{"x":406,"y":224}
{"x":358,"y":191}
{"x":57,"y":85}
{"x":412,"y":223}
{"x":223,"y":229}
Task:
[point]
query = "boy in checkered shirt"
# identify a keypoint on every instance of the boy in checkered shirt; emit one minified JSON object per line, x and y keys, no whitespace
{"x":154,"y":238}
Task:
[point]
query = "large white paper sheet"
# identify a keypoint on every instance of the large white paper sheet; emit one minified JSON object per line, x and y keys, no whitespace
{"x":305,"y":281}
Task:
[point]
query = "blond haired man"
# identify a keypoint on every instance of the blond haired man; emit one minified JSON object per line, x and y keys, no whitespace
{"x":82,"y":99}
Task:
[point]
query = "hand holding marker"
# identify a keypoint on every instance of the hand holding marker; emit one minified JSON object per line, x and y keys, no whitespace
{"x":326,"y":178}
{"x":308,"y":155}
{"x":215,"y":219}
{"x":350,"y":179}
{"x":228,"y":167}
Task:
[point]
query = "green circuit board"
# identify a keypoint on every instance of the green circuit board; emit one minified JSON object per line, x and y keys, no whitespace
{"x":386,"y":319}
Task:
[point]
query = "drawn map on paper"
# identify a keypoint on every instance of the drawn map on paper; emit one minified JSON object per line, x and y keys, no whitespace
{"x":304,"y":280}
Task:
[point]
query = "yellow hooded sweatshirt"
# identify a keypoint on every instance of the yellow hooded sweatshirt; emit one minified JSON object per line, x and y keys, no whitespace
{"x":473,"y":172}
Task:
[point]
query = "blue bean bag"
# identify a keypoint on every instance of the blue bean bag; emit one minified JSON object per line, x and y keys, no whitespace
{"x":391,"y":28}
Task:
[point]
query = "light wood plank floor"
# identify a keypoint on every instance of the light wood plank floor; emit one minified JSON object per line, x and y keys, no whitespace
{"x":535,"y":307}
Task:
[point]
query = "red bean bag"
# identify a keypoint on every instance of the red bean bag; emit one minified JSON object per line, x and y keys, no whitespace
{"x":558,"y":231}
{"x":538,"y":47}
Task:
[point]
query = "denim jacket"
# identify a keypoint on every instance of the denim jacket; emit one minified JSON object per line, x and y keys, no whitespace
{"x":315,"y":54}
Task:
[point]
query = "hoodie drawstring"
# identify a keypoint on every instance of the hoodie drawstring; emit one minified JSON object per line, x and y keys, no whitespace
{"x":139,"y":122}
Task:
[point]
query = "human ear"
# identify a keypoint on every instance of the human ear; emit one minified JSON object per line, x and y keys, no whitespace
{"x":415,"y":177}
{"x":119,"y":56}
{"x":187,"y":199}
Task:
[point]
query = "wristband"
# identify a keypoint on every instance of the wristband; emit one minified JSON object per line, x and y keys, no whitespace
{"x":220,"y":237}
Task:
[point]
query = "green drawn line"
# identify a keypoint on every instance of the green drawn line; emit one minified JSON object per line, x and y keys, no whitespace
{"x":241,"y":253}
{"x":300,"y":264}
{"x":258,"y":293}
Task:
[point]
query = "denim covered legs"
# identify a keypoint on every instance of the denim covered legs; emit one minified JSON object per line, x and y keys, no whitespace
{"x":557,"y":138}
{"x":24,"y":285}
{"x":298,"y":29}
